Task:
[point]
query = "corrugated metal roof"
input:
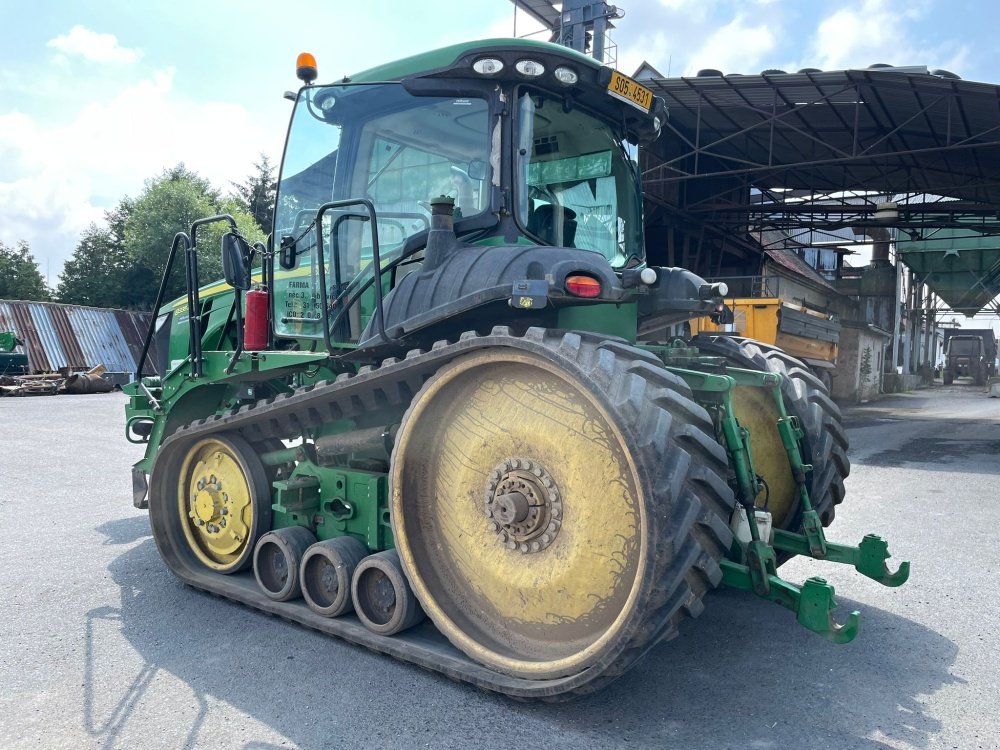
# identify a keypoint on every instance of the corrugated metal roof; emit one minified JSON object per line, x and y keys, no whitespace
{"x":7,"y":318}
{"x":873,"y":129}
{"x":56,"y":335}
{"x":25,"y":330}
{"x":134,"y":329}
{"x":47,"y":335}
{"x":101,"y":338}
{"x":74,"y":355}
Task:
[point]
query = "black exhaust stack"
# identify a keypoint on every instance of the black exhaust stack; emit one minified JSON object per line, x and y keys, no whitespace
{"x":441,"y":239}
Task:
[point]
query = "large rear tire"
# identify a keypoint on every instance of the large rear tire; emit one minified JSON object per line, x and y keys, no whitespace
{"x":559,"y":508}
{"x":806,"y":398}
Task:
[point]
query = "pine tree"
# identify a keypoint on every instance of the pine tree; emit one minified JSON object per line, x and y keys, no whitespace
{"x":95,"y":274}
{"x":256,"y":195}
{"x":20,"y":277}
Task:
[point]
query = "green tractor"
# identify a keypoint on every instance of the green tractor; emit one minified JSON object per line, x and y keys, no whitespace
{"x":443,"y":413}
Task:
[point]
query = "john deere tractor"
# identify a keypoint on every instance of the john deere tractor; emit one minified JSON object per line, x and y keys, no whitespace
{"x":442,"y":413}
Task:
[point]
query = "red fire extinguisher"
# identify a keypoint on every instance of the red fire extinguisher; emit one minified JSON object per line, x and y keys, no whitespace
{"x":255,"y":323}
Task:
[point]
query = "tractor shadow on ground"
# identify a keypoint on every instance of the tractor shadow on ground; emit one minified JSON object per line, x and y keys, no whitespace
{"x":124,"y":530}
{"x":743,"y":675}
{"x":751,"y":673}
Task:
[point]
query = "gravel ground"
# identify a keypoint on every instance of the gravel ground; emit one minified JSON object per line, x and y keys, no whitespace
{"x":102,"y":647}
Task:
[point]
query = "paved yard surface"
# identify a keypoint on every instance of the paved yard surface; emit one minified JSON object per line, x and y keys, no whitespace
{"x":101,"y":647}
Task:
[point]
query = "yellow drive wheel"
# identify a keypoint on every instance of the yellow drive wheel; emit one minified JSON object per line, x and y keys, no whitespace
{"x":519,"y":515}
{"x":824,"y":446}
{"x":219,"y":494}
{"x":756,"y":410}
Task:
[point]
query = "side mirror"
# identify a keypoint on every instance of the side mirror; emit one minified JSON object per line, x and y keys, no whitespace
{"x":476,"y":169}
{"x":236,"y":261}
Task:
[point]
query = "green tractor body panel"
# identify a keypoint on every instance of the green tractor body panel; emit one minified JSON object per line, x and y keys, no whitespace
{"x":436,"y":214}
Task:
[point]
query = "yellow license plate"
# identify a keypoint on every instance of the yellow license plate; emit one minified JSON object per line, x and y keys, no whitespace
{"x":624,"y":88}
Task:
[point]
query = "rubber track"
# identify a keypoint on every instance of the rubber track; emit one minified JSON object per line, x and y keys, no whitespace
{"x":673,"y":441}
{"x":807,"y":398}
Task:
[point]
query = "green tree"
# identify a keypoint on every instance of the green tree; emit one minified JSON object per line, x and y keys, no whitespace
{"x":96,"y":273}
{"x":256,"y":194}
{"x":20,"y":277}
{"x":170,"y":203}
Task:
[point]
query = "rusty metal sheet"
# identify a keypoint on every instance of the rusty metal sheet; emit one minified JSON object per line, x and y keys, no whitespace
{"x":37,"y":359}
{"x":6,"y":318}
{"x":71,"y":347}
{"x":101,"y":338}
{"x":134,"y":326}
{"x":57,"y":335}
{"x":47,"y":335}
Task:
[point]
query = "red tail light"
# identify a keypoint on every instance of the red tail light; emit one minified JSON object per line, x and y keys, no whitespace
{"x":583,"y":286}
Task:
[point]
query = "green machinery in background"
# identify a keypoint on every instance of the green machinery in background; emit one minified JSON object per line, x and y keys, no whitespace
{"x":12,"y":362}
{"x":443,"y":413}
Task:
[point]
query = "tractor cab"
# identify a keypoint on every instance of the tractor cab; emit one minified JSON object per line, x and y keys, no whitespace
{"x":534,"y":145}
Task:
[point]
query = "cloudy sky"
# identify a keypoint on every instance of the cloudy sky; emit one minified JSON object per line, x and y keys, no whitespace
{"x":96,"y":97}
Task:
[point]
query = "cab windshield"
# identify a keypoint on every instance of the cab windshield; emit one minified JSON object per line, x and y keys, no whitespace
{"x":381,"y":143}
{"x":578,"y":186}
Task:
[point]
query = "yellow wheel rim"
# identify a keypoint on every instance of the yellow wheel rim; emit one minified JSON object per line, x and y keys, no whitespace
{"x":485,"y":427}
{"x":215,"y":505}
{"x":756,"y":411}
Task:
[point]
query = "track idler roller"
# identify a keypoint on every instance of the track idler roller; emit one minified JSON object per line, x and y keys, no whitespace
{"x":383,"y":599}
{"x":325,"y":575}
{"x":276,"y":560}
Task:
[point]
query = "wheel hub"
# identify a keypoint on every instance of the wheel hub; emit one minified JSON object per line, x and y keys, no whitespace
{"x":523,"y":505}
{"x":218,"y":504}
{"x":206,"y":506}
{"x":209,"y":508}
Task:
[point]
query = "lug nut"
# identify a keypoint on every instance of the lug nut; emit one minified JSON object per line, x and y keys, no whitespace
{"x":222,"y":523}
{"x":224,"y":510}
{"x":200,"y":522}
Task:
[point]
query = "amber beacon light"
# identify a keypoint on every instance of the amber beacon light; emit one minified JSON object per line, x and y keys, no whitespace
{"x":305,"y":67}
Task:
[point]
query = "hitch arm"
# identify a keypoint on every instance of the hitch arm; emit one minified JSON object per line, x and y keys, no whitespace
{"x":813,"y":603}
{"x":868,"y":558}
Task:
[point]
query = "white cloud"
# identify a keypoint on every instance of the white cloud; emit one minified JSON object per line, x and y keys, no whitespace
{"x":734,"y":48}
{"x":878,"y":31}
{"x":91,"y":45}
{"x":523,"y":24}
{"x":697,"y":9}
{"x":57,"y":178}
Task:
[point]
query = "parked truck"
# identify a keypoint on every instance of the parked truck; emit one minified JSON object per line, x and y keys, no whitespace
{"x":971,"y":353}
{"x":439,"y":406}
